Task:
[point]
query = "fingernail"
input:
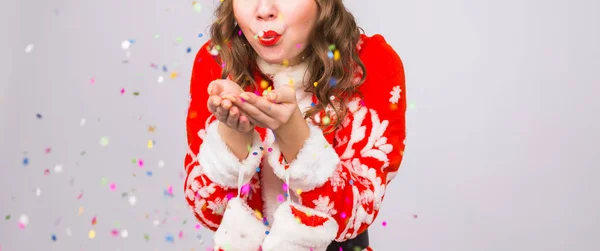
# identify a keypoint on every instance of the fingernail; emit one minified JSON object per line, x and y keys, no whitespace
{"x":271,"y":96}
{"x":244,"y":96}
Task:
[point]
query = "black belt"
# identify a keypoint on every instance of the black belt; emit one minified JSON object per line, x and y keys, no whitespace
{"x":357,"y":244}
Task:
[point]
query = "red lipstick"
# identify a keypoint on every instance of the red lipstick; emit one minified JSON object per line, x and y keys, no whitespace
{"x":269,"y":38}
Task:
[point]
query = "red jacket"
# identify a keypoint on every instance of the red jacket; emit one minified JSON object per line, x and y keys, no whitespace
{"x":336,"y":184}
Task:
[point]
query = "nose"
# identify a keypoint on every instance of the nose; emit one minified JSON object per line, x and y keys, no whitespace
{"x":266,"y":10}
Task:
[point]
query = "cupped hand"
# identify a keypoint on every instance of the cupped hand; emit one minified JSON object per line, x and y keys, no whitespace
{"x":223,"y":108}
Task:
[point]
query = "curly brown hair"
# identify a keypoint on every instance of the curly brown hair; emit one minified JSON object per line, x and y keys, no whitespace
{"x":334,"y":77}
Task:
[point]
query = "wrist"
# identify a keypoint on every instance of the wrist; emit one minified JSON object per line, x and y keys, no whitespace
{"x":227,"y":132}
{"x":294,"y":124}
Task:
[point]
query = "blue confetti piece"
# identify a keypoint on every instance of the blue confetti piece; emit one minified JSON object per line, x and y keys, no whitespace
{"x":25,"y":161}
{"x":312,"y":104}
{"x":149,"y":173}
{"x":164,"y":68}
{"x":53,"y":237}
{"x":332,"y":82}
{"x":266,"y":223}
{"x":39,"y":116}
{"x":132,"y":41}
{"x":189,"y":49}
{"x":351,"y":182}
{"x":267,"y":232}
{"x":170,"y":238}
{"x":200,"y":35}
{"x":258,"y":169}
{"x":330,"y":54}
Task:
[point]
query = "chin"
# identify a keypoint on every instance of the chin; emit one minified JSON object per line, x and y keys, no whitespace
{"x":272,"y":55}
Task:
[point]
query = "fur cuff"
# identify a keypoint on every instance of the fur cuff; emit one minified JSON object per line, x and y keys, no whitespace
{"x":221,"y":165}
{"x":240,"y":229}
{"x":299,"y":228}
{"x":313,"y":166}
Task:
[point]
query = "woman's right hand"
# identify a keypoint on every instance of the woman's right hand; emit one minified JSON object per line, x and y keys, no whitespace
{"x":223,"y":109}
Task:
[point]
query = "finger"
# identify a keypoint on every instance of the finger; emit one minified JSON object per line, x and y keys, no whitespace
{"x":254,"y":122}
{"x":244,"y":124}
{"x":233,"y":118}
{"x":215,"y":87}
{"x":262,"y":104}
{"x":212,"y":103}
{"x":226,"y":104}
{"x":222,"y":114}
{"x":282,"y":95}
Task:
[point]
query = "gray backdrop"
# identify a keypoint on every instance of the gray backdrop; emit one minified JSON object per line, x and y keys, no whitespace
{"x":503,"y":125}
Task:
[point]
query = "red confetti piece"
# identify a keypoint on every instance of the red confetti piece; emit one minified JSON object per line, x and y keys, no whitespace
{"x":94,"y":220}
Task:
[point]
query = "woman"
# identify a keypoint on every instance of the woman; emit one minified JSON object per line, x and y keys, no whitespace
{"x":296,"y":81}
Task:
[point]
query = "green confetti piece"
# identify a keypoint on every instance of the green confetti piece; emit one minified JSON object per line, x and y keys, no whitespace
{"x":184,"y":222}
{"x":103,"y":181}
{"x":133,"y":161}
{"x":157,"y":36}
{"x":411,"y":105}
{"x":179,"y":39}
{"x":197,"y":7}
{"x":104,"y":141}
{"x":117,"y":224}
{"x":136,"y":94}
{"x":147,"y":237}
{"x":7,"y":217}
{"x":332,"y":47}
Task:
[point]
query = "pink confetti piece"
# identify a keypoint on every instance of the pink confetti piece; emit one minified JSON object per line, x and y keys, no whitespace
{"x":343,"y":215}
{"x":170,"y":190}
{"x":180,"y":234}
{"x":48,"y":150}
{"x":21,"y":225}
{"x":384,"y":223}
{"x":114,"y":232}
{"x":79,"y":196}
{"x":46,"y":172}
{"x":122,"y":91}
{"x":284,"y":187}
{"x":299,"y":46}
{"x":415,"y":216}
{"x":141,"y":163}
{"x":113,"y":186}
{"x":280,"y":198}
{"x":197,"y":226}
{"x":94,"y":220}
{"x":92,"y":81}
{"x":245,"y":189}
{"x":229,"y":196}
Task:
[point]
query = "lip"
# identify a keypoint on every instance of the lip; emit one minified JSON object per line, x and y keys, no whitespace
{"x":269,"y":38}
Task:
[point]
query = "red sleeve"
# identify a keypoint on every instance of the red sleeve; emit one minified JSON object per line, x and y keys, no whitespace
{"x":348,"y":185}
{"x":207,"y":197}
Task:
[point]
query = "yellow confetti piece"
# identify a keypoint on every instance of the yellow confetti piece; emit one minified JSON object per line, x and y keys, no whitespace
{"x":393,"y":106}
{"x":326,"y":120}
{"x":150,"y":144}
{"x":336,"y":55}
{"x":174,"y":74}
{"x":315,"y":83}
{"x":299,"y":191}
{"x":80,"y":211}
{"x":286,"y":62}
{"x":258,"y":214}
{"x":291,"y":83}
{"x":264,"y":84}
{"x":92,"y":234}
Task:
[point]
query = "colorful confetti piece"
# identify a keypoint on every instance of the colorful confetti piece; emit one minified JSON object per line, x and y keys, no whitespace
{"x":92,"y":234}
{"x":29,"y":48}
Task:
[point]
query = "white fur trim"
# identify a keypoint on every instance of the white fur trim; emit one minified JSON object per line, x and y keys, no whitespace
{"x":221,"y":165}
{"x":288,"y":234}
{"x":240,"y":230}
{"x":314,"y":164}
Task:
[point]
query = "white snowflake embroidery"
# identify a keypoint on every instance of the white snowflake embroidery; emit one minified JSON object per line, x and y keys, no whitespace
{"x":322,"y":204}
{"x":338,"y":180}
{"x":395,"y":94}
{"x":217,"y":205}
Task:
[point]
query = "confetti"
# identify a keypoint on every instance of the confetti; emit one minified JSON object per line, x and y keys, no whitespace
{"x":336,"y":55}
{"x":68,"y":231}
{"x":156,"y":223}
{"x":53,"y":237}
{"x":58,"y":169}
{"x":122,"y":91}
{"x":7,"y":217}
{"x":39,"y":116}
{"x":82,"y":122}
{"x":38,"y":192}
{"x":136,"y":93}
{"x":103,"y":181}
{"x":160,"y":79}
{"x":46,"y":172}
{"x":25,"y":161}
{"x":351,"y":182}
{"x":280,"y":198}
{"x":149,"y":173}
{"x":188,"y":50}
{"x":161,"y":164}
{"x":384,"y":223}
{"x":104,"y":141}
{"x":200,"y":35}
{"x":343,"y":215}
{"x":284,"y":187}
{"x":330,"y":54}
{"x":245,"y":189}
{"x":92,"y":234}
{"x":80,"y":211}
{"x":150,"y":144}
{"x":174,"y":75}
{"x":415,"y":216}
{"x":124,"y":233}
{"x":299,"y":191}
{"x":197,"y":7}
{"x":258,"y":169}
{"x":113,"y":186}
{"x":48,"y":150}
{"x":114,"y":232}
{"x":126,"y":44}
{"x":197,"y":226}
{"x":92,"y":81}
{"x":94,"y":221}
{"x":132,"y":200}
{"x":331,"y":47}
{"x":29,"y":48}
{"x":147,"y":237}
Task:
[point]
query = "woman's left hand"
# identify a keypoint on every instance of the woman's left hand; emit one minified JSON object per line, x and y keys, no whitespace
{"x":271,"y":111}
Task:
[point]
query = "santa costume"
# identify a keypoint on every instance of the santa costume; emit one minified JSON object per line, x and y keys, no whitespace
{"x":334,"y":188}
